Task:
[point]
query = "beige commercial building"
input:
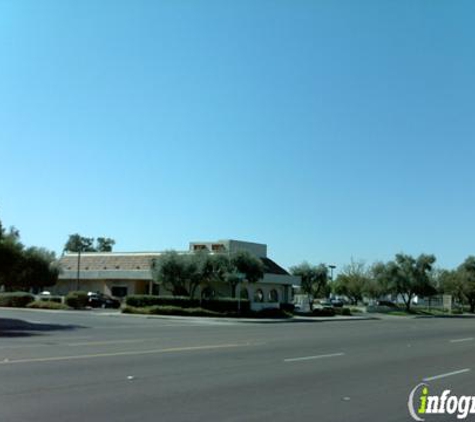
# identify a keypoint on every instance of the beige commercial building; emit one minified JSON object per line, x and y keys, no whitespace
{"x":124,"y":273}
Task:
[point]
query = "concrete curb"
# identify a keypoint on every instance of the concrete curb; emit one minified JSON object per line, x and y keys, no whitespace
{"x":295,"y":319}
{"x":117,"y":314}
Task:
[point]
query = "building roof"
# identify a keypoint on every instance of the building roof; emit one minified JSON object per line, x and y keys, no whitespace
{"x":270,"y":267}
{"x":98,"y":261}
{"x":129,"y":261}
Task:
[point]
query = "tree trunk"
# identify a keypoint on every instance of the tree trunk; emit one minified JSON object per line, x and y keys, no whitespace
{"x":193,"y":290}
{"x":408,"y":302}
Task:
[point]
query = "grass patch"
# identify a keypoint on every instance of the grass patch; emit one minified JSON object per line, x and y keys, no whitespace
{"x":170,"y":310}
{"x":42,"y":304}
{"x":343,"y":311}
{"x":423,"y":311}
{"x":354,"y":310}
{"x":399,"y":313}
{"x":200,"y":312}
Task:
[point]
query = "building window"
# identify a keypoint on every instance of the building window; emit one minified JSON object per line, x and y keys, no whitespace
{"x":258,"y":296}
{"x":200,"y":248}
{"x":218,"y":248}
{"x":273,"y":296}
{"x":119,"y":291}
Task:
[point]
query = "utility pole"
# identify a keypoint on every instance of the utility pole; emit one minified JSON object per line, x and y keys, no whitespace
{"x":79,"y":266}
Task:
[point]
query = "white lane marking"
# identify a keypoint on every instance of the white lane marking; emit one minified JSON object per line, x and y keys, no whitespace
{"x":128,"y":353}
{"x":105,"y":342}
{"x":313,"y":357}
{"x":459,"y":340}
{"x":448,"y":374}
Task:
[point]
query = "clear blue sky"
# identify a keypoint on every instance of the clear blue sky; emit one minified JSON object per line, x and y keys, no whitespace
{"x":326,"y":129}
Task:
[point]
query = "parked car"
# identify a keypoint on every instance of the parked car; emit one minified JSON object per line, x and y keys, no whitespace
{"x":323,"y":303}
{"x":100,"y":300}
{"x":337,"y":303}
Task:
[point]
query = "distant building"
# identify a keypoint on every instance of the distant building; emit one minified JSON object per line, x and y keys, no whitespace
{"x":124,"y":273}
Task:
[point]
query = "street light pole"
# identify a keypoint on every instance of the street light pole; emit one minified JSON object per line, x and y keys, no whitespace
{"x":332,"y":267}
{"x":79,"y":265}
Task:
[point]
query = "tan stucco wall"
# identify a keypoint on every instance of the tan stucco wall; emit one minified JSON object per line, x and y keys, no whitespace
{"x":101,"y":286}
{"x":142,"y":287}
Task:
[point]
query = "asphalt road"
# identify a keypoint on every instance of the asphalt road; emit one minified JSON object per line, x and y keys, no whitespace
{"x":97,"y":366}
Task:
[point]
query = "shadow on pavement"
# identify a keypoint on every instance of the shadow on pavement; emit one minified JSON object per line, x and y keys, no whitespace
{"x":19,"y":328}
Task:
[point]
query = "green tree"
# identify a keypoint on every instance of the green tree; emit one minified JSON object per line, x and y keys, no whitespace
{"x":352,"y":281}
{"x":407,"y":276}
{"x":206,"y":269}
{"x":39,"y":269}
{"x":378,"y":284}
{"x":314,"y":279}
{"x":452,"y":282}
{"x":11,"y":255}
{"x":243,"y":265}
{"x":465,"y":278}
{"x":24,"y":269}
{"x":78,"y":243}
{"x":104,"y":244}
{"x":172,"y":271}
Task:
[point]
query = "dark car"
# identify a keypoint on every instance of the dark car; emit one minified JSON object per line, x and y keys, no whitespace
{"x":100,"y":300}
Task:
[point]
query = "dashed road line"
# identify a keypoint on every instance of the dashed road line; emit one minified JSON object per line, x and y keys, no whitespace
{"x":460,"y":340}
{"x":448,"y":374}
{"x":127,"y":353}
{"x":331,"y":355}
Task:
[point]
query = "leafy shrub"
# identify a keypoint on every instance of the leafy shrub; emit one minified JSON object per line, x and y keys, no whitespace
{"x":141,"y":301}
{"x":56,"y":299}
{"x":227,"y":304}
{"x":42,"y":304}
{"x":356,"y":310}
{"x":76,"y":300}
{"x":201,"y":312}
{"x":324,"y":312}
{"x":343,"y":311}
{"x":170,"y":310}
{"x":174,"y":310}
{"x":131,"y":310}
{"x":216,"y":305}
{"x":287,"y":307}
{"x":16,"y":299}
